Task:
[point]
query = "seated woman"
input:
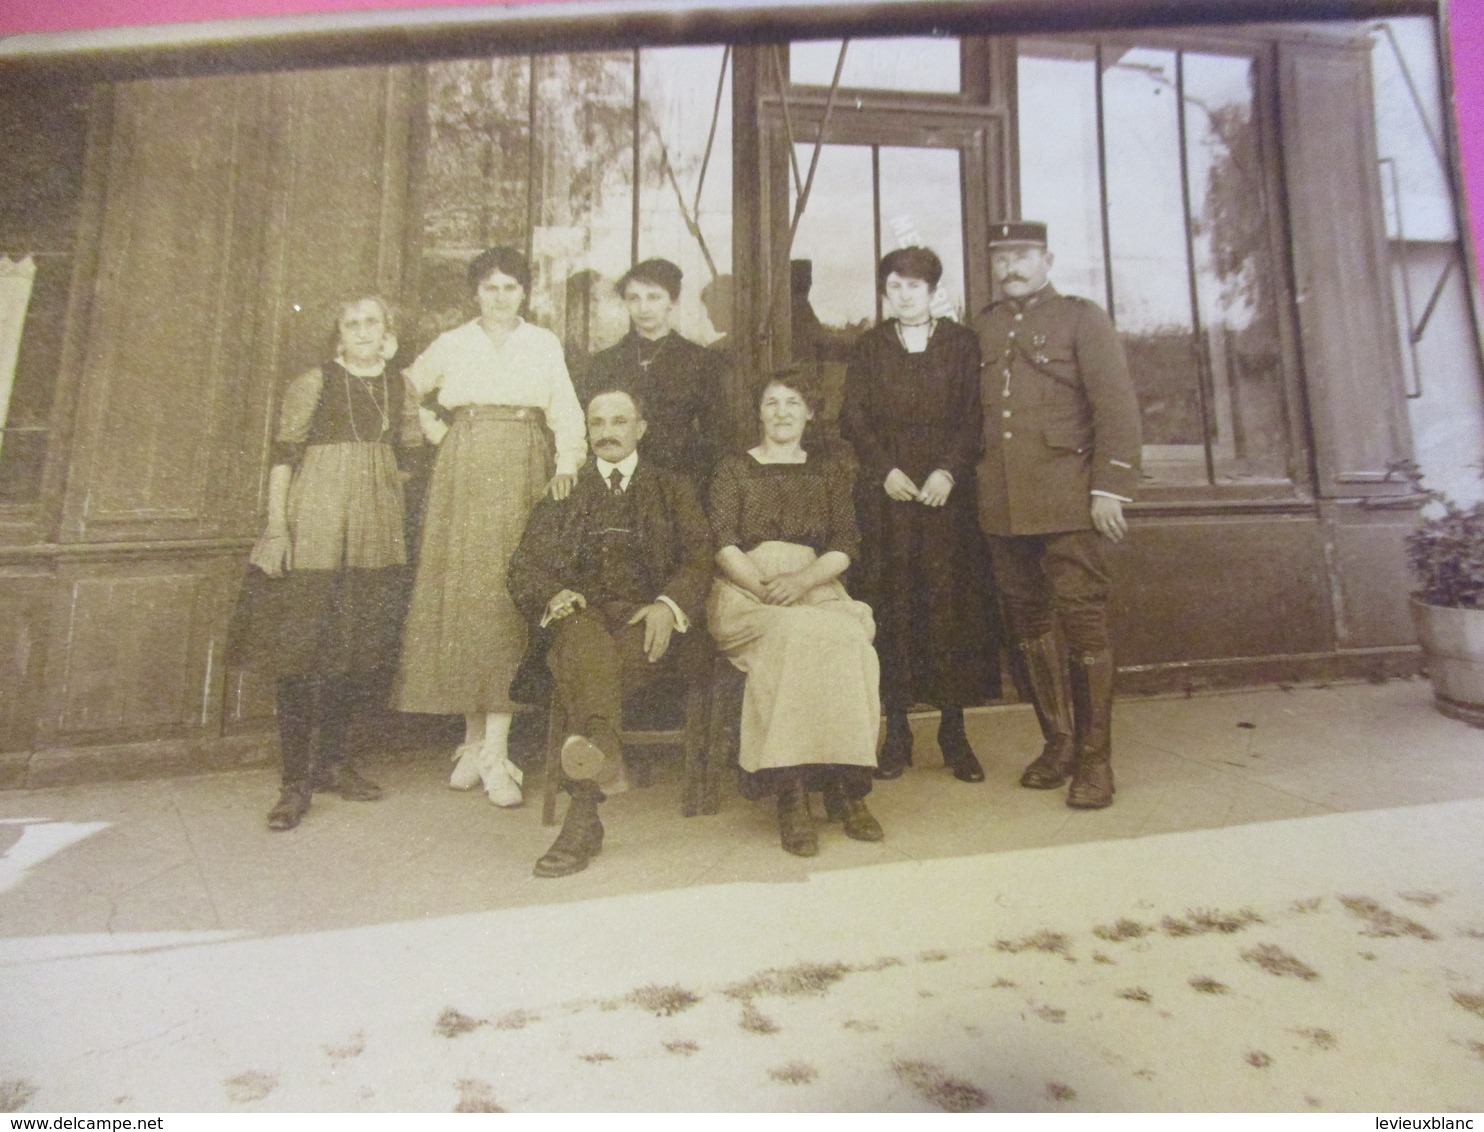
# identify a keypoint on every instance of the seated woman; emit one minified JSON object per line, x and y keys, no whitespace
{"x":785,"y":523}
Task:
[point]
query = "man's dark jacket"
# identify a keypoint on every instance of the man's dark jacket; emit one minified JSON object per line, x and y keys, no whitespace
{"x":671,"y":528}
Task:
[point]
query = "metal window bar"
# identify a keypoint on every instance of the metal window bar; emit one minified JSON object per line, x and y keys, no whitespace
{"x":1103,"y":182}
{"x":692,"y":221}
{"x":634,"y":187}
{"x":1201,"y":347}
{"x":1414,"y":389}
{"x":721,"y":82}
{"x":876,"y":215}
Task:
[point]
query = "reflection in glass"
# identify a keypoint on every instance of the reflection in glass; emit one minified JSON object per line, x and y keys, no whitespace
{"x":681,"y":217}
{"x":927,"y":65}
{"x":922,"y":203}
{"x":1057,"y":104}
{"x":1234,"y":273}
{"x":1151,"y":269}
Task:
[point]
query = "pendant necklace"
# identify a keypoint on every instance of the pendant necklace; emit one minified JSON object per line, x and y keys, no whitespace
{"x":645,"y":363}
{"x":350,"y":409}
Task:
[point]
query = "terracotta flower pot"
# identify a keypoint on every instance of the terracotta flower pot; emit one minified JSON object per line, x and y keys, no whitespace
{"x":1453,"y":641}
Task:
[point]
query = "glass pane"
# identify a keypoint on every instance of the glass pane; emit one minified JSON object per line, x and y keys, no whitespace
{"x":681,"y":217}
{"x":475,"y":177}
{"x":929,"y":65}
{"x":1151,"y":276}
{"x":1234,"y":274}
{"x":834,"y":263}
{"x":1057,"y":92}
{"x":922,"y":203}
{"x":582,"y":241}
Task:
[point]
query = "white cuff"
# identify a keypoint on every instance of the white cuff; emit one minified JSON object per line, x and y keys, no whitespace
{"x":682,"y":622}
{"x":1110,"y":495}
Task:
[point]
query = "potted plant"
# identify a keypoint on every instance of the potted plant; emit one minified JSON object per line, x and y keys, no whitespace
{"x":1447,"y":555}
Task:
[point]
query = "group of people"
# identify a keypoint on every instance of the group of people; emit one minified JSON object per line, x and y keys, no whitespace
{"x":604,"y":532}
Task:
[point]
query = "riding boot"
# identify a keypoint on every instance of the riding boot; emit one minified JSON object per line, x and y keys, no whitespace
{"x":332,"y":773}
{"x":581,"y":836}
{"x":795,"y":826}
{"x":295,"y":708}
{"x":1092,"y":700}
{"x":896,"y":751}
{"x":1046,"y":673}
{"x":953,"y":741}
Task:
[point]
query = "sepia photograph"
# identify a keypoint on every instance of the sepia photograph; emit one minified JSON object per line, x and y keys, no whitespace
{"x":640,"y":556}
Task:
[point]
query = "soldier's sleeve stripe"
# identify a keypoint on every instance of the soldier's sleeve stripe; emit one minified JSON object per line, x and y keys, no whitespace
{"x":1120,"y":464}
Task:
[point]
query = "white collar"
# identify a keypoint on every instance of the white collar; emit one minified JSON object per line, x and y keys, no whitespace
{"x":625,"y":466}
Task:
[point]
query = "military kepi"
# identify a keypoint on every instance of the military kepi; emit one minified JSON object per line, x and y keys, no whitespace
{"x":1017,"y":233}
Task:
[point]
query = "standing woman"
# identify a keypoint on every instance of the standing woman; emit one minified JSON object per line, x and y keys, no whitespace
{"x":912,"y":412}
{"x":322,"y":604}
{"x":783,"y":517}
{"x":503,"y":383}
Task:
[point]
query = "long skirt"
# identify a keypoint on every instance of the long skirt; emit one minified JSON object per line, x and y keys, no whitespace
{"x":812,"y":693}
{"x":464,"y":636}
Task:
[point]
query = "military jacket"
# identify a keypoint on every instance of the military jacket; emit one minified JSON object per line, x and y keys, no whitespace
{"x":1061,"y":418}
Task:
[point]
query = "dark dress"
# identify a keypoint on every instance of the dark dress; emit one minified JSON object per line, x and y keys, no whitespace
{"x":682,"y":386}
{"x":338,"y":610}
{"x":923,"y":570}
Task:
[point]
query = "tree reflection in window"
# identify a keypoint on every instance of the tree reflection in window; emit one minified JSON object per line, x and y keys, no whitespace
{"x":540,"y":152}
{"x":1169,"y":227}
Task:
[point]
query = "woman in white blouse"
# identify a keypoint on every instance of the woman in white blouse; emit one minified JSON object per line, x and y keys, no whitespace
{"x":502,"y":382}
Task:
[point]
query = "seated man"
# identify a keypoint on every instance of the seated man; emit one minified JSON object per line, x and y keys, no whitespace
{"x":609,"y":574}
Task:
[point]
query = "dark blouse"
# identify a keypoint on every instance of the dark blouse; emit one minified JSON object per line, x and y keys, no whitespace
{"x":809,"y":503}
{"x":916,"y":412}
{"x":330,"y":405}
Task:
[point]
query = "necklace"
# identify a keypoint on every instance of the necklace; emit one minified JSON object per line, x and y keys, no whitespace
{"x":932,"y":326}
{"x":364,"y":381}
{"x":645,"y":363}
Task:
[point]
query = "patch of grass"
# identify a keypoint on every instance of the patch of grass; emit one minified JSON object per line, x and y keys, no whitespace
{"x":353,"y":1048}
{"x":245,"y":1088}
{"x":754,"y":1021}
{"x":1121,"y":930}
{"x":1099,"y":957}
{"x":1003,"y":983}
{"x":1052,"y":943}
{"x":663,"y":1001}
{"x":476,"y":1096}
{"x":1317,"y":1037}
{"x":1471,"y":933}
{"x":455,"y":1023}
{"x":860,"y":1025}
{"x":1054,"y":1014}
{"x":932,"y":957}
{"x":1470,"y":1002}
{"x":1203,"y":921}
{"x":1135,"y":994}
{"x":1056,"y":1091}
{"x":1257,"y":1059}
{"x":881,"y":964}
{"x":1382,"y":922}
{"x":15,"y":1094}
{"x":1478,"y":1048}
{"x":932,"y":1084}
{"x":515,"y":1020}
{"x":1204,"y":984}
{"x":683,"y":1047}
{"x":1303,"y":907}
{"x":1420,"y":898}
{"x":1275,"y":961}
{"x":789,"y":982}
{"x":794,"y":1073}
{"x":597,"y":1057}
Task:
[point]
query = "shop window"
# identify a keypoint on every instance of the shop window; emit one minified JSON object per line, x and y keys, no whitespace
{"x":919,"y":65}
{"x":1148,"y":165}
{"x":541,"y":153}
{"x":41,"y":165}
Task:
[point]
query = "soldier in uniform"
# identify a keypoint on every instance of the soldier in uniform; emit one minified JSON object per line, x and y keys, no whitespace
{"x":1061,"y":458}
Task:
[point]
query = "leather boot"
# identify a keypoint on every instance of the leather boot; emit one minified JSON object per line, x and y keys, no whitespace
{"x":331,"y":772}
{"x":857,"y":821}
{"x":953,"y":741}
{"x":295,"y":707}
{"x":1092,"y":700}
{"x":795,"y":826}
{"x":896,"y":751}
{"x":581,"y":836}
{"x":1046,"y":673}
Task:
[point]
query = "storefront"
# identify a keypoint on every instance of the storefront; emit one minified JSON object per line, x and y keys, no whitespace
{"x":1220,"y":189}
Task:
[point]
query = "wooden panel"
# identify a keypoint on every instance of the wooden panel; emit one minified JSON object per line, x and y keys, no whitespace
{"x":1372,"y":578}
{"x":24,"y":610}
{"x":1195,"y":589}
{"x":171,"y":328}
{"x":1347,"y":323}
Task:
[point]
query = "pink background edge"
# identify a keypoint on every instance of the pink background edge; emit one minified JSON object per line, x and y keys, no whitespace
{"x":1466,"y":32}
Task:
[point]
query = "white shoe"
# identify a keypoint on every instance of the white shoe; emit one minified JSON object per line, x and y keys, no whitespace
{"x":466,"y":774}
{"x":502,"y":779}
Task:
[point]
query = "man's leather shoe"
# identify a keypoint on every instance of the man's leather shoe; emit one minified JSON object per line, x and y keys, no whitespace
{"x":795,"y":826}
{"x":580,"y":840}
{"x":958,"y":756}
{"x":896,"y":750}
{"x":293,"y":803}
{"x":344,"y":780}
